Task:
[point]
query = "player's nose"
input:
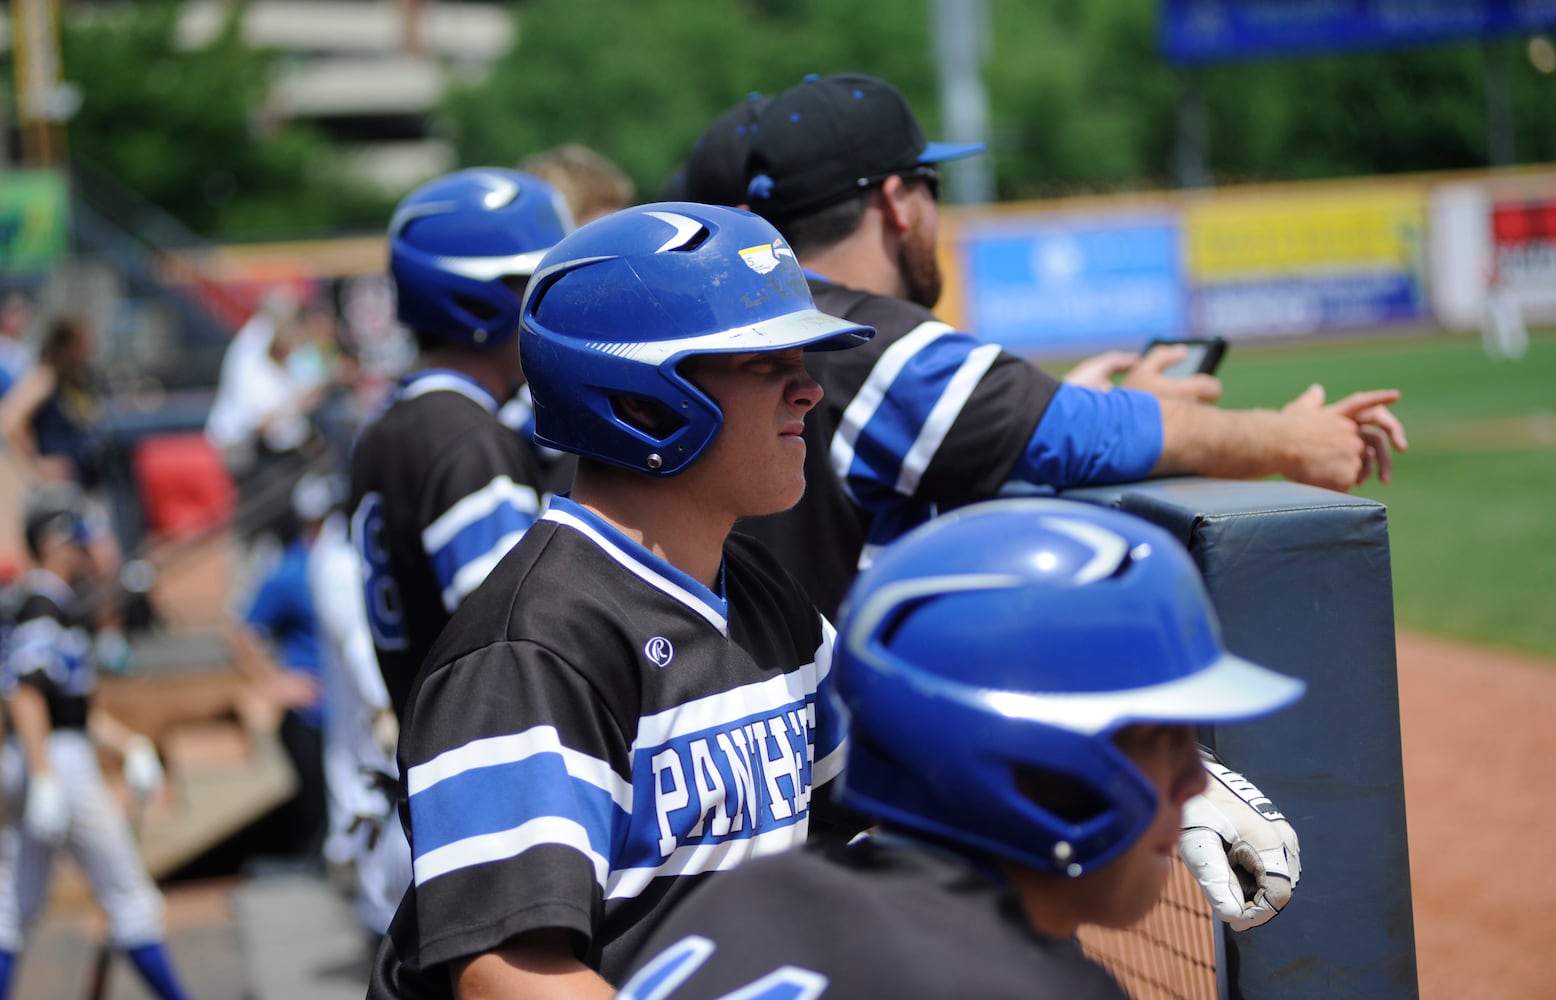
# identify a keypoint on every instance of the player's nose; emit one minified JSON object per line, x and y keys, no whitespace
{"x":804,"y":391}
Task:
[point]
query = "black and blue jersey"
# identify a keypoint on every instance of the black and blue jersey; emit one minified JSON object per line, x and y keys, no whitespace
{"x":50,"y":650}
{"x":440,"y":491}
{"x":926,"y":418}
{"x":894,"y":919}
{"x":594,"y":733}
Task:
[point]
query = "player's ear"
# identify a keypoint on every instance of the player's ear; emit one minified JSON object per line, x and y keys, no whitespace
{"x":895,"y":208}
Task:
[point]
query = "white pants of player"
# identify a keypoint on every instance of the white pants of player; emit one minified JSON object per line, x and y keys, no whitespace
{"x":377,"y":847}
{"x":383,"y":874}
{"x":98,"y":838}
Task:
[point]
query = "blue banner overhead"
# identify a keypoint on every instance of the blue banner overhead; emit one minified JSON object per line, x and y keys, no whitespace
{"x":1203,"y":31}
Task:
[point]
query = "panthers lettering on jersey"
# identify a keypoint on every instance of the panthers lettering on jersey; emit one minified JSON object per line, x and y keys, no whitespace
{"x":50,"y":649}
{"x":440,"y":491}
{"x":925,"y":418}
{"x":596,"y":731}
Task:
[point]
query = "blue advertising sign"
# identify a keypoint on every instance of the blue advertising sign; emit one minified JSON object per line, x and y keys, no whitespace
{"x":1064,"y":286}
{"x":1202,"y":31}
{"x":1306,"y":303}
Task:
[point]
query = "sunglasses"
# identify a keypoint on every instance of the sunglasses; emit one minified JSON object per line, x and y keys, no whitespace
{"x":928,"y":174}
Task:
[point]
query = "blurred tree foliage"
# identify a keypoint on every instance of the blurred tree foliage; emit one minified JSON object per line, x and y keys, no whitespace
{"x":638,"y":80}
{"x":187,"y":129}
{"x":1081,"y":98}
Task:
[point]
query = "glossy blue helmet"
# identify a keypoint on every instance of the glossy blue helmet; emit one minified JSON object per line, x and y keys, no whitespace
{"x":616,"y":306}
{"x":1014,"y":638}
{"x":453,"y":242}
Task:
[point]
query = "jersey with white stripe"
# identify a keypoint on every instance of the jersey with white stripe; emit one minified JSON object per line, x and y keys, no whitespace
{"x":595,"y":733}
{"x":440,"y":491}
{"x":50,"y":650}
{"x":923,"y":418}
{"x":926,"y":418}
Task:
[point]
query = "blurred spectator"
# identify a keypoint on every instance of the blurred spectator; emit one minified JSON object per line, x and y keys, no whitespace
{"x":272,"y":379}
{"x":15,"y":355}
{"x":277,"y":648}
{"x":51,"y":415}
{"x":592,"y":185}
{"x":52,"y":421}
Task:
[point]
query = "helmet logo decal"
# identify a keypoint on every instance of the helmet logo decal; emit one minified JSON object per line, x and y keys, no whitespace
{"x":685,"y":229}
{"x":502,"y":191}
{"x":764,"y":257}
{"x":1108,"y":549}
{"x":659,"y":651}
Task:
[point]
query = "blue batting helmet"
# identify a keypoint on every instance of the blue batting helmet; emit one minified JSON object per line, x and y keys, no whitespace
{"x":615,"y":307}
{"x":1014,"y":638}
{"x":453,"y":240}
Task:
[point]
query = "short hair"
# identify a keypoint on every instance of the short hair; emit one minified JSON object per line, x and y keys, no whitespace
{"x":821,"y":229}
{"x":592,"y":184}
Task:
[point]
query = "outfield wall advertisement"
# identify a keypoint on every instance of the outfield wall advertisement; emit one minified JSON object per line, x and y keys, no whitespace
{"x":1064,"y":281}
{"x":1304,"y":262}
{"x":1053,"y":284}
{"x":34,"y":220}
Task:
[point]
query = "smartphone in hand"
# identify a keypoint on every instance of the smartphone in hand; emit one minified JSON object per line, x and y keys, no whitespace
{"x":1204,"y":356}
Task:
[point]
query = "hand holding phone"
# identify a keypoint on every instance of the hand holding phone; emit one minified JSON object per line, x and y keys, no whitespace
{"x":1204,"y":356}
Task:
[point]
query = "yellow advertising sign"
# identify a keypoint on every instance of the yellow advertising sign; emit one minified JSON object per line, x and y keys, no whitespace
{"x":1371,"y":228}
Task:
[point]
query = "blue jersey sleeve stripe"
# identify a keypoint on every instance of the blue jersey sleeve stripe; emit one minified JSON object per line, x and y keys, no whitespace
{"x":861,"y":409}
{"x":490,"y":800}
{"x":498,"y":750}
{"x":502,"y":492}
{"x":947,"y":408}
{"x":468,"y":574}
{"x":1088,"y":437}
{"x":506,"y":844}
{"x":885,"y":444}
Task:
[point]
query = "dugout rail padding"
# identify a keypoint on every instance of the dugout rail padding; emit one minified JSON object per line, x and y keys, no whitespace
{"x":1301,"y":579}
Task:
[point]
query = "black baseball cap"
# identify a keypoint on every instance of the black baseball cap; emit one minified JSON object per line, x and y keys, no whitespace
{"x":829,"y":137}
{"x":715,"y":172}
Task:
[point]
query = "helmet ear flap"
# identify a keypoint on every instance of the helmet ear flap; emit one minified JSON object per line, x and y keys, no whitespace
{"x":989,"y":659}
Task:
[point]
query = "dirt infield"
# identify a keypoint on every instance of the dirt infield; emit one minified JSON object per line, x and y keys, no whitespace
{"x":1479,"y":735}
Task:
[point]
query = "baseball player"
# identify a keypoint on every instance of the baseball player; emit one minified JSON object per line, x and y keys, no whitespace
{"x":440,"y":488}
{"x":628,"y":703}
{"x":1022,"y":679}
{"x":54,"y":789}
{"x":928,"y":418}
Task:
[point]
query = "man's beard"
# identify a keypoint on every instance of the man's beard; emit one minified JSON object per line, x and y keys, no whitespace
{"x":920,"y":270}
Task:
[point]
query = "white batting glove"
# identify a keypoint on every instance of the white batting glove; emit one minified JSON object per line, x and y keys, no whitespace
{"x":47,"y":813}
{"x":142,"y":770}
{"x":1241,"y":849}
{"x":386,"y":731}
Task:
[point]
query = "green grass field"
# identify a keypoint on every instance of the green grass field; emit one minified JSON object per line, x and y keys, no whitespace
{"x":1472,"y":508}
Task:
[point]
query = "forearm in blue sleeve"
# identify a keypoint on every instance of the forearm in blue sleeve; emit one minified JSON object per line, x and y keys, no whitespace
{"x":1087,"y":437}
